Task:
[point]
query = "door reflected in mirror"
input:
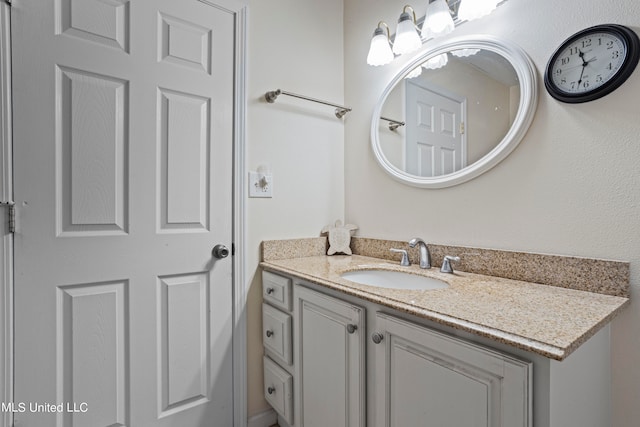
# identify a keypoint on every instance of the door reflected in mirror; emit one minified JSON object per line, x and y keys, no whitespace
{"x":454,"y":115}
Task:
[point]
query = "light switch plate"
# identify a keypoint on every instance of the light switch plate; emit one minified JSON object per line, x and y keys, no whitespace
{"x":260,"y":184}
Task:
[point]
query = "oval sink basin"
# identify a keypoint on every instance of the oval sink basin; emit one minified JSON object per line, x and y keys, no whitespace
{"x":393,"y":280}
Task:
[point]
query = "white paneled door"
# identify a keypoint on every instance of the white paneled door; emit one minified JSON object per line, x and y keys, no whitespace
{"x":123,"y":136}
{"x":436,"y":141}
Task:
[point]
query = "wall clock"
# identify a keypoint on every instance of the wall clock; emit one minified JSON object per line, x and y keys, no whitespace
{"x":592,"y":63}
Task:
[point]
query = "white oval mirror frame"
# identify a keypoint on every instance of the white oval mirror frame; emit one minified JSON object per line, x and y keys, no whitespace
{"x":526,"y":73}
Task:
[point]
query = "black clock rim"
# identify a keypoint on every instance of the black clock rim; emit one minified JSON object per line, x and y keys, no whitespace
{"x":632,"y":42}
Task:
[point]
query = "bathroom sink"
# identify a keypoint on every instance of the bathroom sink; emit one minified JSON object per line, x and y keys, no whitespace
{"x":393,"y":279}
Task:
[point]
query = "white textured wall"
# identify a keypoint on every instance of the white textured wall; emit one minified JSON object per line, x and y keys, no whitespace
{"x":296,"y":46}
{"x":572,"y":186}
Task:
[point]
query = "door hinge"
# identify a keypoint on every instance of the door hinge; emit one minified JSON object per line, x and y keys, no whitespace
{"x":11,"y":208}
{"x":461,"y":128}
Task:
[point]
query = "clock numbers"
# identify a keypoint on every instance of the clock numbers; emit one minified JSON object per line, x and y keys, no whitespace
{"x":592,"y":63}
{"x":588,"y":62}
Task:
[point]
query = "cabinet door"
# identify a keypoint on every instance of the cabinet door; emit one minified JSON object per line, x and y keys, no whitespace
{"x":330,"y":367}
{"x":425,"y":378}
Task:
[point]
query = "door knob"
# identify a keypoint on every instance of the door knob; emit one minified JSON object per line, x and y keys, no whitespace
{"x":377,"y":337}
{"x":220,"y":251}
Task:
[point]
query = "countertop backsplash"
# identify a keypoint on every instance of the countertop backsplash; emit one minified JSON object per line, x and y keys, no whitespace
{"x":586,"y":274}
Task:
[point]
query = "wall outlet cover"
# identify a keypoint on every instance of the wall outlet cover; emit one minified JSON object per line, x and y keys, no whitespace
{"x":260,"y":184}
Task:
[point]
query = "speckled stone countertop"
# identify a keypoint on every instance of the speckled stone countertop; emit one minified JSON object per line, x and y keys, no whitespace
{"x":548,"y":320}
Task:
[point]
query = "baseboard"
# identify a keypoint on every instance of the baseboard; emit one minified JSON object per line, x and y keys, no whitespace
{"x":263,"y":419}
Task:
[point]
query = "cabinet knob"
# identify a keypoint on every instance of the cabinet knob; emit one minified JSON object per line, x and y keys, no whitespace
{"x":271,"y":390}
{"x":352,"y":328}
{"x":377,"y":337}
{"x":270,"y":291}
{"x":269,"y":334}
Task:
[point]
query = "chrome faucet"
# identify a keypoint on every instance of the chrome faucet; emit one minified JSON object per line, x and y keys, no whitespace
{"x":425,"y":256}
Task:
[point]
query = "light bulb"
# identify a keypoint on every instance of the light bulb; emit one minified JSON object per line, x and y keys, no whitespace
{"x":438,"y":20}
{"x":474,"y":9}
{"x":407,"y":38}
{"x":380,"y":50}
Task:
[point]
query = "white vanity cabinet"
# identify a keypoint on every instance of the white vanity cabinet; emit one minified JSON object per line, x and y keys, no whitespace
{"x":277,"y":340}
{"x":330,"y":337}
{"x":356,"y":365}
{"x":423,"y":377}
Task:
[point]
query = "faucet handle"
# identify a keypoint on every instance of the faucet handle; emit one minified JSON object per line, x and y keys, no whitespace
{"x":405,"y":256}
{"x":446,"y":263}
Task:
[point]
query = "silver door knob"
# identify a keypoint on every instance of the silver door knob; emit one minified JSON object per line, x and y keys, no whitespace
{"x":269,"y":334}
{"x":352,"y":328}
{"x":377,"y":337}
{"x":220,"y":251}
{"x":271,"y":390}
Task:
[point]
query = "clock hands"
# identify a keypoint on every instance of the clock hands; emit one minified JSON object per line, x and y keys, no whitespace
{"x":584,"y":65}
{"x":606,"y":56}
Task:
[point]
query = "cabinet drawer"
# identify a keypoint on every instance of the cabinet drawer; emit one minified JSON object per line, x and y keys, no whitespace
{"x":278,"y":385}
{"x":276,"y":333}
{"x":276,"y":290}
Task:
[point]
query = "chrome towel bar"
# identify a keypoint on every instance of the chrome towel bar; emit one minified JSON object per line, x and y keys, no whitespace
{"x":272,"y":95}
{"x":393,"y":124}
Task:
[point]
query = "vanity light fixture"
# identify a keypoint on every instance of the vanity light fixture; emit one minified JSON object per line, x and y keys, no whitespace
{"x":438,"y":20}
{"x":476,"y":9}
{"x":407,"y":38}
{"x":441,"y":17}
{"x":380,"y":50}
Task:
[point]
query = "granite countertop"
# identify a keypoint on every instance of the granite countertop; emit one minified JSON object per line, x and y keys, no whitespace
{"x":548,"y":320}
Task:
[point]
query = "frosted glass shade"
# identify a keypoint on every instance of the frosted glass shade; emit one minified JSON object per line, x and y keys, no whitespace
{"x":436,"y":62}
{"x":438,"y":20}
{"x":407,"y":38}
{"x":414,"y":73}
{"x":461,"y":53}
{"x":380,"y":50}
{"x":474,"y":9}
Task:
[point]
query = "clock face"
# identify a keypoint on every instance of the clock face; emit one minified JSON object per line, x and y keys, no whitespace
{"x":588,"y":62}
{"x":592,"y":63}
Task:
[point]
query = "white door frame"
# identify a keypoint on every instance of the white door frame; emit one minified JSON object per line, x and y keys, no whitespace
{"x":6,"y":243}
{"x":239,"y":225}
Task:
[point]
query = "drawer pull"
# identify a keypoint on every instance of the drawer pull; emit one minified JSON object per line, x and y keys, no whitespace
{"x":269,"y":334}
{"x":351,"y":328}
{"x":377,"y":337}
{"x":270,"y":291}
{"x":271,"y":390}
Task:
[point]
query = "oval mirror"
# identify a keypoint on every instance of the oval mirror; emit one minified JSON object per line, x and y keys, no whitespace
{"x":454,"y":111}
